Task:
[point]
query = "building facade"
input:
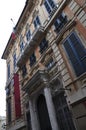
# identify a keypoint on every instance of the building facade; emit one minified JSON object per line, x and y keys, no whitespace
{"x":46,"y":67}
{"x":2,"y":123}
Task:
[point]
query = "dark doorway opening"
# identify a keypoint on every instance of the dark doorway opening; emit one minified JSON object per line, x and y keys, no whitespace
{"x":43,"y":114}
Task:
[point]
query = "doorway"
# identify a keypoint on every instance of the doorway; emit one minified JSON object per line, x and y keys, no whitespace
{"x":43,"y":114}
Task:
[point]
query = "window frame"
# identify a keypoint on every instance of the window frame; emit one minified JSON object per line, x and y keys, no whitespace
{"x":24,"y":71}
{"x":74,"y":50}
{"x":21,"y":46}
{"x":33,"y":60}
{"x":28,"y":34}
{"x":43,"y":45}
{"x":36,"y":22}
{"x":49,"y":65}
{"x":60,"y":21}
{"x":48,"y":5}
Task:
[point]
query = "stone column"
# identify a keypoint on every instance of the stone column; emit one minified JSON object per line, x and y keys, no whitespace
{"x":34,"y":122}
{"x":51,"y":109}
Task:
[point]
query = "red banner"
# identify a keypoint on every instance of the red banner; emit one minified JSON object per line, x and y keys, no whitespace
{"x":17,"y":96}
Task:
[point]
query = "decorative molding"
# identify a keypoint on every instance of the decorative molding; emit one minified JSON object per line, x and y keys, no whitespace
{"x":35,"y":13}
{"x":42,"y":2}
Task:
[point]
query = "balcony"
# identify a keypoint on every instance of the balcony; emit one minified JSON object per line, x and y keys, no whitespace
{"x":35,"y":37}
{"x":55,"y":13}
{"x":41,"y":77}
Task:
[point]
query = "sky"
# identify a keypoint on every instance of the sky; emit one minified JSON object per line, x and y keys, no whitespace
{"x":8,"y":9}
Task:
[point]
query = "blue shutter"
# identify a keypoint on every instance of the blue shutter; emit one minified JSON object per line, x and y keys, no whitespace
{"x":81,"y":51}
{"x":28,"y":35}
{"x":47,"y":7}
{"x":35,"y":24}
{"x":21,"y":46}
{"x":76,"y":53}
{"x":52,"y":4}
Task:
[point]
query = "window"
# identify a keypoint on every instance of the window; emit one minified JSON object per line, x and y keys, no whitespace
{"x":8,"y":70}
{"x":21,"y":46}
{"x":49,"y":5}
{"x":8,"y":91}
{"x":50,"y":64}
{"x":76,"y":53}
{"x":32,"y":59}
{"x":28,"y":35}
{"x":36,"y":22}
{"x":24,"y":70}
{"x":60,"y":22}
{"x":43,"y":45}
{"x":14,"y":60}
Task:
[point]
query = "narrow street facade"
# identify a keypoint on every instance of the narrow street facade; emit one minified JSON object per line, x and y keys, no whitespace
{"x":46,"y":67}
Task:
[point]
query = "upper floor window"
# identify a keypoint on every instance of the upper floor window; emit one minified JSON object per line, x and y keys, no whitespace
{"x":43,"y":45}
{"x":24,"y":70}
{"x":36,"y":22}
{"x":28,"y":35}
{"x":21,"y":46}
{"x":76,"y":53}
{"x":60,"y":22}
{"x":50,"y":64}
{"x":49,"y":5}
{"x":32,"y":59}
{"x":14,"y":60}
{"x":7,"y":91}
{"x":8,"y":70}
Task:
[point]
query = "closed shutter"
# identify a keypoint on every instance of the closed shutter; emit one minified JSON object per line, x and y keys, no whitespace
{"x":47,"y":7}
{"x":51,"y":3}
{"x":81,"y":51}
{"x":76,"y":53}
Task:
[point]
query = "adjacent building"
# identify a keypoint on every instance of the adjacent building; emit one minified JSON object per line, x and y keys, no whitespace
{"x":46,"y":67}
{"x":2,"y":123}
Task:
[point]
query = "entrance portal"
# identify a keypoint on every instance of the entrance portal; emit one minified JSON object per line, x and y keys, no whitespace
{"x":43,"y":114}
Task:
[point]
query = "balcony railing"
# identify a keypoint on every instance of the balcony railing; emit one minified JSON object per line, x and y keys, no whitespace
{"x":36,"y":35}
{"x":55,"y":13}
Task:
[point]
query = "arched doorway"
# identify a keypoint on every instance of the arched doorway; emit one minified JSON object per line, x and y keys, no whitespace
{"x":43,"y":114}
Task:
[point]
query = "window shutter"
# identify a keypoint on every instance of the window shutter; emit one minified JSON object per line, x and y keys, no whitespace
{"x":81,"y":51}
{"x":51,"y":3}
{"x":47,"y":7}
{"x":76,"y":53}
